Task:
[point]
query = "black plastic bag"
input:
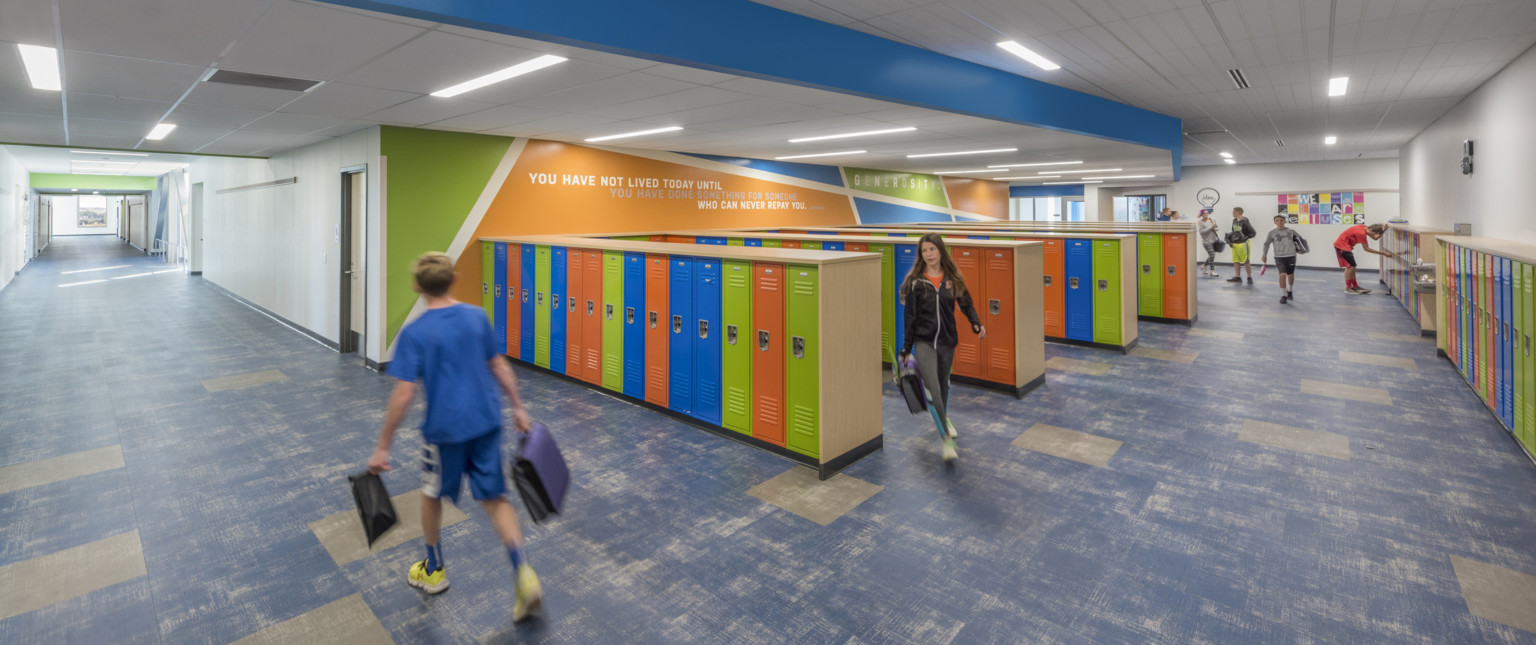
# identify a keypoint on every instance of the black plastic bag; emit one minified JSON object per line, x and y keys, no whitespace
{"x":911,"y":386}
{"x":373,"y":505}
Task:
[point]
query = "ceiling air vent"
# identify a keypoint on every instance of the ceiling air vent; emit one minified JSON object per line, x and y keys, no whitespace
{"x":261,"y":80}
{"x":1279,"y":143}
{"x":1238,"y":79}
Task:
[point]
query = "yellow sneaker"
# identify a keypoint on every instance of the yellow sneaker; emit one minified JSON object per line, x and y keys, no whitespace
{"x":529,"y":594}
{"x":435,"y":582}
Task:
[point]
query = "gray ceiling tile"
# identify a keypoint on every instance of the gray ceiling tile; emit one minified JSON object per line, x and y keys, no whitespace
{"x":133,"y":78}
{"x":25,"y":100}
{"x":427,"y":109}
{"x":346,"y":101}
{"x":193,"y":33}
{"x":99,"y":106}
{"x":311,"y":42}
{"x":209,"y":116}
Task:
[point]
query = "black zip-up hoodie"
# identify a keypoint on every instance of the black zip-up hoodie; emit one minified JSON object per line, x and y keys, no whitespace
{"x":930,"y":314}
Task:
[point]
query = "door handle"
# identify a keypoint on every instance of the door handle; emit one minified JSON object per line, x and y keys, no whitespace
{"x":485,"y":288}
{"x":629,"y":315}
{"x":730,"y":334}
{"x":703,"y":328}
{"x":1146,"y":269}
{"x":1047,"y":280}
{"x":677,"y":324}
{"x":1173,"y":270}
{"x":762,"y":340}
{"x":798,"y":345}
{"x":608,"y":309}
{"x":653,"y":320}
{"x":1072,"y":282}
{"x":589,"y":307}
{"x":498,"y":291}
{"x":1103,"y":285}
{"x":995,"y":306}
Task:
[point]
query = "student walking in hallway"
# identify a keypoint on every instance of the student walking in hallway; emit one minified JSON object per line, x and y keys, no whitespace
{"x":1242,"y":231}
{"x":931,"y":291}
{"x":1344,"y":246}
{"x":451,"y":350}
{"x":1287,"y":243}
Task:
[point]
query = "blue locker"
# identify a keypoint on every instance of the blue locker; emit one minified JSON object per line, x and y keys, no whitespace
{"x":557,"y":315}
{"x":831,"y":246}
{"x":525,"y":328}
{"x":753,"y":241}
{"x":1496,"y":352}
{"x":706,"y":339}
{"x":898,"y":235}
{"x":906,"y":256}
{"x":823,"y":232}
{"x":679,"y":348}
{"x":705,"y":239}
{"x":634,"y":324}
{"x":979,"y":237}
{"x":1079,"y":290}
{"x":1466,"y":314}
{"x":501,"y":289}
{"x":1507,"y":395}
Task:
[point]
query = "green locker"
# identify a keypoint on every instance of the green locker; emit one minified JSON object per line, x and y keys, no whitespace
{"x":802,"y":374}
{"x":735,"y":241}
{"x":541,"y":291}
{"x":613,"y":320}
{"x":773,"y":244}
{"x":634,"y":238}
{"x":887,"y":298}
{"x":736,"y":353}
{"x":1149,"y":275}
{"x":488,"y":278}
{"x":1517,"y":354}
{"x":1528,"y":314}
{"x":808,"y":244}
{"x":1106,"y":292}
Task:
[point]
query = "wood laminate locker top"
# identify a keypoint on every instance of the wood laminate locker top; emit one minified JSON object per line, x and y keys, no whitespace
{"x":786,"y":256}
{"x":1517,"y":251}
{"x":1421,"y":229}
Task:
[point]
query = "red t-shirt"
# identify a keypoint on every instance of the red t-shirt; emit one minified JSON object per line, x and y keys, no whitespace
{"x":1350,"y":237}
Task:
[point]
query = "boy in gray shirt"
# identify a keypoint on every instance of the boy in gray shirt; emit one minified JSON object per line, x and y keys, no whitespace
{"x":1284,"y":241}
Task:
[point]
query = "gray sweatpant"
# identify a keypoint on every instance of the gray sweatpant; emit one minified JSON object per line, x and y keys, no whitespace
{"x":934,"y":365}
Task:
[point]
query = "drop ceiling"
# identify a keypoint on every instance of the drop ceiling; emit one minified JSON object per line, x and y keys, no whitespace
{"x":130,"y":64}
{"x":1409,"y":61}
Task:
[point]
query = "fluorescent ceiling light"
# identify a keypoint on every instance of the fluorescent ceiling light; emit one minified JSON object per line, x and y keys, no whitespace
{"x":42,"y":66}
{"x":967,"y":172}
{"x":822,"y":154}
{"x":160,"y":131}
{"x":1330,"y":140}
{"x":966,"y":152}
{"x":1128,"y":177}
{"x":1230,"y":160}
{"x":92,"y":162}
{"x":673,"y":128}
{"x":1226,"y":155}
{"x":100,"y":173}
{"x":851,"y":134}
{"x":1060,"y":183}
{"x":1025,"y":53}
{"x":1033,"y":165}
{"x":1336,"y":86}
{"x":502,"y":75}
{"x":107,"y":152}
{"x":1084,"y":172}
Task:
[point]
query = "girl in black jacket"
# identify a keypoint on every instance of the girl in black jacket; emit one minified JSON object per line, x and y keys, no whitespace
{"x":930,"y":292}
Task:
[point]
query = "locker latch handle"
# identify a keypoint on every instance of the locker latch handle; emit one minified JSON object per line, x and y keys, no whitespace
{"x":540,"y":300}
{"x":485,"y":288}
{"x":1047,"y":281}
{"x":589,"y":307}
{"x":653,"y":320}
{"x":498,"y":291}
{"x":525,"y":296}
{"x":677,"y":324}
{"x":1527,"y":344}
{"x":995,"y":306}
{"x":572,"y":302}
{"x":629,"y":315}
{"x":730,"y":334}
{"x":608,"y":309}
{"x":1103,"y":285}
{"x":554,"y":302}
{"x":762,"y":340}
{"x":797,"y":344}
{"x":1172,"y":270}
{"x":1072,"y":282}
{"x":703,"y":328}
{"x":1146,"y":269}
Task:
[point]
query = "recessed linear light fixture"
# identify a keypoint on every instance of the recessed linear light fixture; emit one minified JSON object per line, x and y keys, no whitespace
{"x":967,"y":172}
{"x":1226,"y":155}
{"x":1036,"y":164}
{"x":501,"y":75}
{"x":851,"y":134}
{"x":108,"y":152}
{"x":89,"y":162}
{"x":1128,"y":177}
{"x":1330,"y":140}
{"x":641,"y":133}
{"x":1337,"y":86}
{"x":1028,"y":55}
{"x":42,"y":66}
{"x":1063,"y":183}
{"x":1084,"y":172}
{"x":822,"y":154}
{"x":965,"y":152}
{"x":160,"y":131}
{"x":1023,"y":178}
{"x":1230,"y":160}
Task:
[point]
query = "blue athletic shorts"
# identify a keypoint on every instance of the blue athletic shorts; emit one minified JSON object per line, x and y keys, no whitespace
{"x":445,"y":465}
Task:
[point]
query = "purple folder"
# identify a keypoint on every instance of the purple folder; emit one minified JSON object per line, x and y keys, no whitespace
{"x":540,"y":474}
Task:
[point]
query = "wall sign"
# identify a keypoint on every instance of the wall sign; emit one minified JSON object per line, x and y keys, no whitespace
{"x":1323,"y":208}
{"x":1207,"y":197}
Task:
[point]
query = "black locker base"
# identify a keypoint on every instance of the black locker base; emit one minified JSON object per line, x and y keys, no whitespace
{"x":1017,"y":392}
{"x":1188,"y":322}
{"x":1123,"y":349}
{"x":823,"y":470}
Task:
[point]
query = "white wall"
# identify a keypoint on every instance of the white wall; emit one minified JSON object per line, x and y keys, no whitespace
{"x":1500,"y":119}
{"x":16,"y":200}
{"x":279,"y":246}
{"x":66,"y":219}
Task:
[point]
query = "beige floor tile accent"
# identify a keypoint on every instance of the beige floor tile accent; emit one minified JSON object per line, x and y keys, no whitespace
{"x":33,"y":584}
{"x":1381,"y":335}
{"x":1312,"y":442}
{"x":243,"y":380}
{"x":798,"y":491}
{"x":1164,"y":355}
{"x":1068,"y":444}
{"x":1091,"y":368}
{"x":342,"y":533}
{"x":1379,"y":360}
{"x":345,"y":622}
{"x":1343,"y":391}
{"x":1498,"y":594}
{"x":60,"y":468}
{"x":1216,"y":333}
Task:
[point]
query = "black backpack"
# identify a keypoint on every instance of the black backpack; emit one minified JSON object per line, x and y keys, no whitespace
{"x":1301,"y":243}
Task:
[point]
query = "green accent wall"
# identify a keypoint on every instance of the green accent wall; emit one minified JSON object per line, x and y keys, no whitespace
{"x":55,"y":181}
{"x":918,"y":187}
{"x":434,"y":178}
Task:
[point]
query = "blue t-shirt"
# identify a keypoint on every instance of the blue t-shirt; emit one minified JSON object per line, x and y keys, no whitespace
{"x":448,"y":350}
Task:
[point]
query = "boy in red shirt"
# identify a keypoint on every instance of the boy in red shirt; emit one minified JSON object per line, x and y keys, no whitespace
{"x":1344,"y":249}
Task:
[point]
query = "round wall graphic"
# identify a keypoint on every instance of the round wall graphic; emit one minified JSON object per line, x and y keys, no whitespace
{"x":1207,"y":197}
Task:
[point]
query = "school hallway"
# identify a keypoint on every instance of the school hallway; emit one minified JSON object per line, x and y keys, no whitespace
{"x":173,"y":469}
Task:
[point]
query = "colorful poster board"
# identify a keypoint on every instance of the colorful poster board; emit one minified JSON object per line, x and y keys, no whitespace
{"x":1323,"y":208}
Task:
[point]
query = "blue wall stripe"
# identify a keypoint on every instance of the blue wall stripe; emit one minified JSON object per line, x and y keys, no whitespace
{"x":876,"y":212}
{"x":1045,"y":191}
{"x":824,"y":174}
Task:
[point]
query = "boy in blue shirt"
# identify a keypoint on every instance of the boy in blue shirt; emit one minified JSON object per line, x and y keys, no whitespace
{"x":451,"y":350}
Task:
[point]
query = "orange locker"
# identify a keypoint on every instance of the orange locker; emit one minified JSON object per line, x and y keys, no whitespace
{"x":1175,"y":278}
{"x":1055,"y":290}
{"x":997,"y":314}
{"x":657,"y":238}
{"x":680,"y":239}
{"x":968,"y":354}
{"x":575,"y":301}
{"x":768,"y":360}
{"x":656,"y":317}
{"x":857,"y":247}
{"x":512,"y":308}
{"x":591,"y":319}
{"x":791,"y":244}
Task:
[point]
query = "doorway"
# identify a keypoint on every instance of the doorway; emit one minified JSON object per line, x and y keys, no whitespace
{"x":195,"y":260}
{"x":352,"y":237}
